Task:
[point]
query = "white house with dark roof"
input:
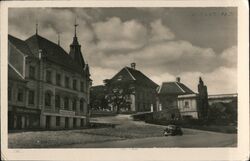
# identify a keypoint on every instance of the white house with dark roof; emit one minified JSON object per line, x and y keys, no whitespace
{"x":143,"y":95}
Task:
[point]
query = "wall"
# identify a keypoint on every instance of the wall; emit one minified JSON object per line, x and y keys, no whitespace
{"x":188,"y":107}
{"x":167,"y":101}
{"x":145,"y":97}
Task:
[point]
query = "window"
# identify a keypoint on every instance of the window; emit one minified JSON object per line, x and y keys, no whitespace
{"x":186,"y":105}
{"x":48,"y":76}
{"x":81,"y":105}
{"x":57,"y":120}
{"x":74,"y":84}
{"x":20,"y":95}
{"x":74,"y":122}
{"x":9,"y":93}
{"x":57,"y":101}
{"x":82,"y":122}
{"x":74,"y":104}
{"x":66,"y":82}
{"x":47,"y":99}
{"x":66,"y":103}
{"x":32,"y":72}
{"x":58,"y":79}
{"x":31,"y":98}
{"x":82,"y":86}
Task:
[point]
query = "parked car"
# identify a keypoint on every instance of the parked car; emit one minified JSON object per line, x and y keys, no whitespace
{"x":172,"y":130}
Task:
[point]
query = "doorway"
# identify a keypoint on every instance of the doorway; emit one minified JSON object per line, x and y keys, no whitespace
{"x":74,"y":122}
{"x":48,"y":122}
{"x":66,"y":122}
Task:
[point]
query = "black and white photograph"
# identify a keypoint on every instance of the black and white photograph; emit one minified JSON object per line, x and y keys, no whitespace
{"x":122,"y":77}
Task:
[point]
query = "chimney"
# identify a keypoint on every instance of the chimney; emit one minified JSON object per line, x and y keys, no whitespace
{"x":133,"y":65}
{"x":178,"y":79}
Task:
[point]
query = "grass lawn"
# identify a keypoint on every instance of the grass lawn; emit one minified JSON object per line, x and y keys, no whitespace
{"x":53,"y":139}
{"x":127,"y":131}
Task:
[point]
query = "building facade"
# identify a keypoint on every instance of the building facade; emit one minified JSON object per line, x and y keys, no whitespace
{"x":141,"y":91}
{"x":188,"y":106}
{"x":47,"y":87}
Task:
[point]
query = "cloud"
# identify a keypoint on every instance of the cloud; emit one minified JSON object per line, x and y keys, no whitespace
{"x":101,"y":73}
{"x":229,"y":56}
{"x":221,"y":80}
{"x":114,"y":34}
{"x":112,"y":42}
{"x":160,"y":32}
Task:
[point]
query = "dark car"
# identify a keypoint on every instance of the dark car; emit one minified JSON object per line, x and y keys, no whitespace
{"x":172,"y":130}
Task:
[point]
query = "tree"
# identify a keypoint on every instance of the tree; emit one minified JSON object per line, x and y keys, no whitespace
{"x":97,"y":98}
{"x":119,"y":95}
{"x":203,"y":100}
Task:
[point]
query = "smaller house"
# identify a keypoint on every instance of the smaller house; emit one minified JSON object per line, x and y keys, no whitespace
{"x":167,"y":98}
{"x":168,"y":93}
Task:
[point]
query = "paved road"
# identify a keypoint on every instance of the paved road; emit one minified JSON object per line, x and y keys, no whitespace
{"x":190,"y":138}
{"x":176,"y":141}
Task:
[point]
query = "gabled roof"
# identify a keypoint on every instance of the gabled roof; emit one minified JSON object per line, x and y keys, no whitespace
{"x":52,"y":52}
{"x":130,"y":74}
{"x":20,"y":45}
{"x":175,"y":88}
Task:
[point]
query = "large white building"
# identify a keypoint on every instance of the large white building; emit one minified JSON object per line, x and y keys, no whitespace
{"x":47,"y":87}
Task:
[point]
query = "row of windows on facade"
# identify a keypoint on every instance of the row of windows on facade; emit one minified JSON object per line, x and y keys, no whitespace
{"x":58,"y":79}
{"x":58,"y":122}
{"x":48,"y":99}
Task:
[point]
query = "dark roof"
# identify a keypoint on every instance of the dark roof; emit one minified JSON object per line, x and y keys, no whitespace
{"x":12,"y":74}
{"x":174,"y":88}
{"x":52,"y":52}
{"x":130,"y":74}
{"x":20,"y":45}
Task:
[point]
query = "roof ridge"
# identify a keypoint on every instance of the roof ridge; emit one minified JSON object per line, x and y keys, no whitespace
{"x":130,"y":73}
{"x":18,"y":49}
{"x":179,"y":87}
{"x":159,"y":91}
{"x":37,"y":36}
{"x":16,"y":71}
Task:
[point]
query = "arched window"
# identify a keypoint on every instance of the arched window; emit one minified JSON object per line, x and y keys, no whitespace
{"x":81,"y":104}
{"x":66,"y":103}
{"x":57,"y":102}
{"x":48,"y":96}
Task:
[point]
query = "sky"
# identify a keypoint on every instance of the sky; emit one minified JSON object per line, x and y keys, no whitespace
{"x":165,"y":43}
